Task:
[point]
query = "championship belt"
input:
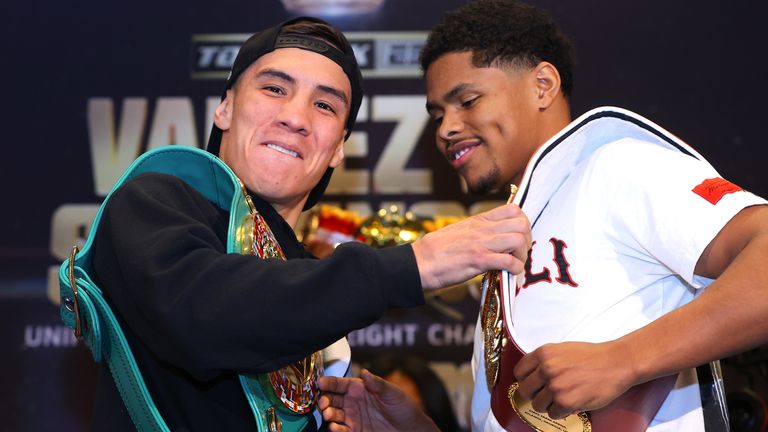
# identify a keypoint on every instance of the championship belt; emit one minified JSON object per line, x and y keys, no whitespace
{"x":631,"y":412}
{"x":292,"y":389}
{"x":281,"y":400}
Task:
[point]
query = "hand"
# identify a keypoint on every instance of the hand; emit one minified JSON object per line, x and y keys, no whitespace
{"x":369,"y":403}
{"x":570,"y":377}
{"x":318,"y":247}
{"x":498,"y":239}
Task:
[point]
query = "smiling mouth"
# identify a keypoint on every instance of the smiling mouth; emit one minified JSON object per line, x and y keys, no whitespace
{"x":460,"y":153}
{"x":283,"y":150}
{"x":455,"y":156}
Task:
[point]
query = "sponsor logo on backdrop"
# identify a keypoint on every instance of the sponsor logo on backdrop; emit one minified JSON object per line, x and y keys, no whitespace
{"x":379,"y":54}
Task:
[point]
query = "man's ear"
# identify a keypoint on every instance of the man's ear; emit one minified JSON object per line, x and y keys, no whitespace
{"x":338,"y":154}
{"x":222,"y":115}
{"x":547,"y":84}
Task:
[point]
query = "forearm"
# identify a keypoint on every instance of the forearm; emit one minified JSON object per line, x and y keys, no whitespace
{"x":727,"y":318}
{"x":167,"y":275}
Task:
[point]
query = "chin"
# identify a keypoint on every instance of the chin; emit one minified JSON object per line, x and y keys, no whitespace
{"x":485,"y":184}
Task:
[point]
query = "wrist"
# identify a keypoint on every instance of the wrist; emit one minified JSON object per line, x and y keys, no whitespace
{"x":422,"y":254}
{"x":638,"y":369}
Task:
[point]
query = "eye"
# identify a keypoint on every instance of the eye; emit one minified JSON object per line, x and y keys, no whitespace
{"x":325,"y":106}
{"x":274,"y":89}
{"x":436,"y":116}
{"x":467,"y":103}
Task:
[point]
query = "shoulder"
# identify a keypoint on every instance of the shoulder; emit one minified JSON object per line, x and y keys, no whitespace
{"x":158,"y":186}
{"x":153,"y":183}
{"x":632,"y":153}
{"x":634,"y":161}
{"x":153,"y":192}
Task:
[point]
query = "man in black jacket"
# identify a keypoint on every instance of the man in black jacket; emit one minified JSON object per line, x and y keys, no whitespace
{"x":196,"y":317}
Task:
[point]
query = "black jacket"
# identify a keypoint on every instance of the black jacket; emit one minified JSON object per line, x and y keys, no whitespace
{"x":196,"y":316}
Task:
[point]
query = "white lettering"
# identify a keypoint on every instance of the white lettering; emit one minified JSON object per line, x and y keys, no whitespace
{"x":173,"y":123}
{"x":207,"y":54}
{"x":377,"y":335}
{"x":210,"y":107}
{"x":391,"y":174}
{"x":70,"y":226}
{"x":225,"y":57}
{"x":353,"y":181}
{"x":361,"y":53}
{"x":440,"y":334}
{"x":110,"y":156}
{"x":42,"y":336}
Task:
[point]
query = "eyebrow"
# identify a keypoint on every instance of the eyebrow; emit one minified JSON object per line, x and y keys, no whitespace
{"x":450,"y":94}
{"x":275,"y":73}
{"x":329,"y":90}
{"x":334,"y":92}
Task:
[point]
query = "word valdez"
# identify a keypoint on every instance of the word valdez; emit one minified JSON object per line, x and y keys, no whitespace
{"x":117,"y":140}
{"x":115,"y":143}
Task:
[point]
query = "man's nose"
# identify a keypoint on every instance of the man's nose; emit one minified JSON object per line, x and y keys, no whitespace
{"x":294,"y":115}
{"x":450,"y":126}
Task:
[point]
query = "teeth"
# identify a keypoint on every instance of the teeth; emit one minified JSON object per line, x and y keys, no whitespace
{"x":460,"y":154}
{"x":283,"y":150}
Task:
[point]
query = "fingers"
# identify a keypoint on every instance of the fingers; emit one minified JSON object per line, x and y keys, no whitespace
{"x":374,"y":383}
{"x":538,"y":382}
{"x":533,"y":388}
{"x":508,"y":234}
{"x":495,"y":240}
{"x":330,"y":400}
{"x":558,"y":412}
{"x":333,"y":384}
{"x":331,"y":414}
{"x":542,"y":401}
{"x":336,"y":427}
{"x":526,"y":366}
{"x":501,"y":212}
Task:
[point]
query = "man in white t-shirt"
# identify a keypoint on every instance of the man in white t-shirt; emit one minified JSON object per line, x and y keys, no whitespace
{"x":629,"y":224}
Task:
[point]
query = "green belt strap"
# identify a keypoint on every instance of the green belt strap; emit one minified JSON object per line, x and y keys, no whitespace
{"x":85,"y":310}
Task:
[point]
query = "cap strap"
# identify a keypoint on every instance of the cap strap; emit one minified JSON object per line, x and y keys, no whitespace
{"x":310,"y":44}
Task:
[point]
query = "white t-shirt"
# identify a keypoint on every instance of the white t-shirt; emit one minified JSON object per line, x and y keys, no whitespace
{"x":617,"y":230}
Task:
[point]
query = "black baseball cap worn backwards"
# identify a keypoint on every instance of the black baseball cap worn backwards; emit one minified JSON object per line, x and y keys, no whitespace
{"x":274,"y":38}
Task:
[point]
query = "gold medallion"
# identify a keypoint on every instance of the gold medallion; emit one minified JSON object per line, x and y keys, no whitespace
{"x":541,"y":422}
{"x":295,"y":385}
{"x":492,"y":318}
{"x":492,"y":326}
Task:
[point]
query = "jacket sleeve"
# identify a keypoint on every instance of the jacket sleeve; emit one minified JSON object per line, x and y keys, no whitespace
{"x":160,"y":256}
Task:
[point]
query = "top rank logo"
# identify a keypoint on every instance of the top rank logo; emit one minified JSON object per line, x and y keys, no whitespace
{"x":379,"y":54}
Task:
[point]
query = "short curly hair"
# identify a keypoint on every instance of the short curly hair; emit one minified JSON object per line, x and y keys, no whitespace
{"x":506,"y":32}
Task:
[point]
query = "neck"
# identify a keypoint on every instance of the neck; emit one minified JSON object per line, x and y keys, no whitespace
{"x":555,"y":118}
{"x":549,"y":122}
{"x":290,"y":212}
